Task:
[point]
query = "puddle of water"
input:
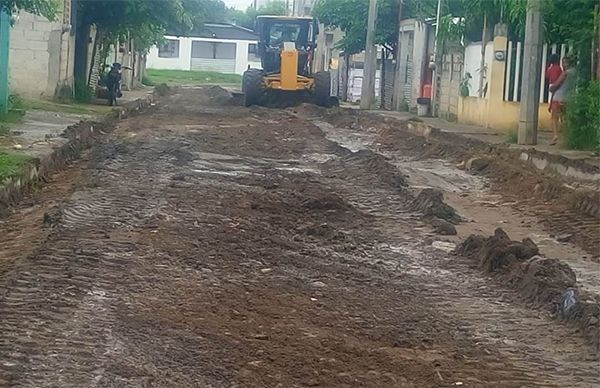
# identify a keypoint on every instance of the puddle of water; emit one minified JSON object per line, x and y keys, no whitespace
{"x":318,"y":158}
{"x":438,"y":174}
{"x":232,"y":165}
{"x":354,"y":141}
{"x":429,"y":173}
{"x":298,"y":169}
{"x":224,"y":173}
{"x":445,"y":246}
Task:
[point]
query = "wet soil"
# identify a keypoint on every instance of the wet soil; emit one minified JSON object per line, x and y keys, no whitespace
{"x":211,"y":245}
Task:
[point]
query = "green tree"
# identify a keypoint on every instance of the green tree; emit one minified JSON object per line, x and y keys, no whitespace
{"x":247,"y":18}
{"x":47,"y":8}
{"x":349,"y":16}
{"x":144,"y":22}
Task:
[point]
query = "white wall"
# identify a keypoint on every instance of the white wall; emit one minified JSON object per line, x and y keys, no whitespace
{"x":355,"y":79}
{"x":473,"y":62}
{"x":184,"y":61}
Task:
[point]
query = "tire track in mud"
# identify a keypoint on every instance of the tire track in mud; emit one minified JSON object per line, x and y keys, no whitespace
{"x":168,"y":267}
{"x":526,"y":337}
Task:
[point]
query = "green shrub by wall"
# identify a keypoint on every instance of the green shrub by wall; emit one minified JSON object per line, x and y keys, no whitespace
{"x":582,"y":121}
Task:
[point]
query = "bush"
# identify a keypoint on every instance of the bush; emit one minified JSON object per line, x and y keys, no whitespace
{"x":16,"y":102}
{"x":582,"y":119}
{"x":83,"y":93}
{"x":512,"y":136}
{"x":147,"y":81}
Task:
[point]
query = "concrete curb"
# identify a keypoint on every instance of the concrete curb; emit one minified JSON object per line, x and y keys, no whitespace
{"x":577,"y":180}
{"x":80,"y":137}
{"x":571,"y":169}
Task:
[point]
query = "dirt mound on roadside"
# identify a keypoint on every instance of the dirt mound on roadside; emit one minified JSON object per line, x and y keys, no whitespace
{"x":431,"y":203}
{"x":498,"y":252}
{"x":367,"y":165}
{"x":544,"y":280}
{"x":583,"y":310}
{"x":378,"y":165}
{"x":541,"y":281}
{"x":217,"y":95}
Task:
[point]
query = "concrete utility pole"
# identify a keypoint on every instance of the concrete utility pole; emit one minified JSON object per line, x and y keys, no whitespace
{"x":367,"y":93}
{"x":436,"y":61}
{"x":4,"y":51}
{"x":398,"y":84}
{"x":528,"y":115}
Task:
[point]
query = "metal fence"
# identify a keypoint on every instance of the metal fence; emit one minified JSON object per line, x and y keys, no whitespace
{"x":513,"y":77}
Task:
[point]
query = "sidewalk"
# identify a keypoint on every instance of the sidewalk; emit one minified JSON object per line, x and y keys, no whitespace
{"x":50,"y":135}
{"x":40,"y":131}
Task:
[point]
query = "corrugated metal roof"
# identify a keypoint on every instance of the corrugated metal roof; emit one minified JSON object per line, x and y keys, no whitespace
{"x":219,"y":31}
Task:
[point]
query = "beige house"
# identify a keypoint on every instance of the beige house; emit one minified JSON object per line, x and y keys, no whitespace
{"x":42,"y":53}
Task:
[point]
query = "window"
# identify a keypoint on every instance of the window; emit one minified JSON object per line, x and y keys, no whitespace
{"x":213,"y":50}
{"x":284,"y":32}
{"x":169,"y":50}
{"x":253,"y":53}
{"x":224,"y":50}
{"x":203,"y":50}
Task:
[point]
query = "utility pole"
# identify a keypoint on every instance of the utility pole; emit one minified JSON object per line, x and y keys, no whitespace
{"x":436,"y":61}
{"x":398,"y":84}
{"x":528,"y":115}
{"x":367,"y":93}
{"x":4,"y":51}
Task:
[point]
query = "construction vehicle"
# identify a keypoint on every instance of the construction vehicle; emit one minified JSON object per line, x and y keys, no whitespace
{"x":286,"y":46}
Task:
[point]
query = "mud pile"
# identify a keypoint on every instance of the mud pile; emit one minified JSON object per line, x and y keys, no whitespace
{"x":368,"y":165}
{"x":541,"y":281}
{"x":431,"y":203}
{"x":217,"y":95}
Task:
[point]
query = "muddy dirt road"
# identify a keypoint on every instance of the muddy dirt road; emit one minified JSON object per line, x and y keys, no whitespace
{"x":209,"y":245}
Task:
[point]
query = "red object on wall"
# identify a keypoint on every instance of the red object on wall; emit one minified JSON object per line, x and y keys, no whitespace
{"x":426,"y":91}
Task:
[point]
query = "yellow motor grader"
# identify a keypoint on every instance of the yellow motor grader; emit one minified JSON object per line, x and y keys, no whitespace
{"x":286,"y":46}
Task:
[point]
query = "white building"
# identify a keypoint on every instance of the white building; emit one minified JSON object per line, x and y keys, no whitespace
{"x":225,"y":48}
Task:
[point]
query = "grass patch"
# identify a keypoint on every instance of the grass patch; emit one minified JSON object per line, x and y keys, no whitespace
{"x":76,"y":108}
{"x":82,"y":92}
{"x":16,"y":111}
{"x":10,"y":163}
{"x":12,"y":117}
{"x":511,"y":137}
{"x":194,"y":77}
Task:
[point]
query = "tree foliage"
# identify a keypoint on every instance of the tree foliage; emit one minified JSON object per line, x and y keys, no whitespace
{"x":47,"y":8}
{"x":143,"y":20}
{"x":350,"y":17}
{"x":247,"y":18}
{"x":147,"y":21}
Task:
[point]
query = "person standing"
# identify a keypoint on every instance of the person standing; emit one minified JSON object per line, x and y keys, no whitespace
{"x":113,"y":83}
{"x":562,"y":90}
{"x":553,"y":71}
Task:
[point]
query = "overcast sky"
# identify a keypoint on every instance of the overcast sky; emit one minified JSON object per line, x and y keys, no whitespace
{"x":238,"y":4}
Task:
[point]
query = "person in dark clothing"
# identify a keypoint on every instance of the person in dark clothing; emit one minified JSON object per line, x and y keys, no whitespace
{"x":113,"y":83}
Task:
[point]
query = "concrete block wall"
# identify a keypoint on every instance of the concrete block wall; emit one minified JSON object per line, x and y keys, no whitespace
{"x":41,"y":56}
{"x":449,"y":90}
